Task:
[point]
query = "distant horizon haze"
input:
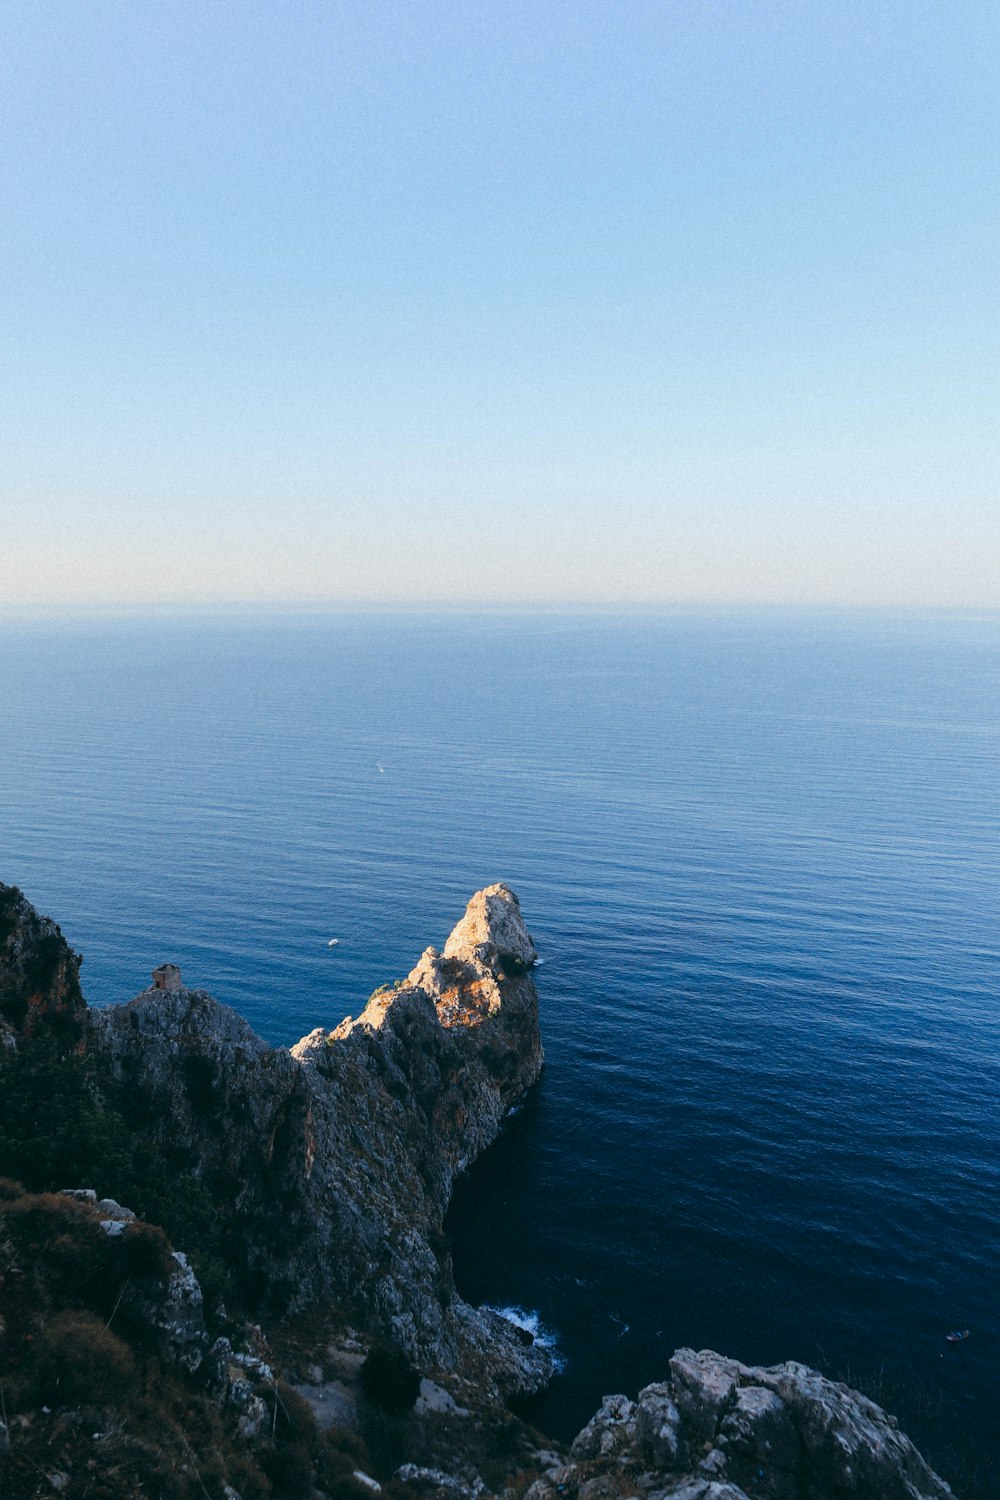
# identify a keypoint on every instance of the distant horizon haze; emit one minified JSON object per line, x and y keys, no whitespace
{"x":503,"y":572}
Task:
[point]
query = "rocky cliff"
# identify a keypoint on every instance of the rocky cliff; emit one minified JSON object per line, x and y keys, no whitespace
{"x":39,"y":972}
{"x":720,"y":1430}
{"x":330,"y":1165}
{"x":334,"y":1161}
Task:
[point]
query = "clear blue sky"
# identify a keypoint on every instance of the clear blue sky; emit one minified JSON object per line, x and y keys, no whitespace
{"x":511,"y":301}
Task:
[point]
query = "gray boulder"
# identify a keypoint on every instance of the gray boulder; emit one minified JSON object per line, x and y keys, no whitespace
{"x":610,"y":1430}
{"x":721,"y":1430}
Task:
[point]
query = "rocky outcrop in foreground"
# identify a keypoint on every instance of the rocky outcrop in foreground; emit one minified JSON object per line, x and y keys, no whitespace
{"x":335,"y":1160}
{"x":720,"y":1430}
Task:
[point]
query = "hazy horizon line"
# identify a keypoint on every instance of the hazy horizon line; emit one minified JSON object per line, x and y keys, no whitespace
{"x":261,"y":609}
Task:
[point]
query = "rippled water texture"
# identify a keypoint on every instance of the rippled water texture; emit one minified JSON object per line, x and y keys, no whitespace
{"x":759,"y":854}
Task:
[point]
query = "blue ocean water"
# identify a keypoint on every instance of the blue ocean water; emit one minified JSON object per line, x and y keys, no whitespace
{"x":759,"y":854}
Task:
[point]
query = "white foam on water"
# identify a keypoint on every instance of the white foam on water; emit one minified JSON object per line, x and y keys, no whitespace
{"x":531,"y":1322}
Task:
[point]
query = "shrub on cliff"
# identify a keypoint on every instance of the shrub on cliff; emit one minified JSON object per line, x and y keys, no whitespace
{"x":70,"y":1339}
{"x":390,"y":1380}
{"x":145,"y":1251}
{"x":55,"y":1128}
{"x":11,"y":898}
{"x":39,"y":972}
{"x":8,"y":1255}
{"x":78,"y":1359}
{"x":59,"y":1127}
{"x":72,"y":1258}
{"x":73,"y":1262}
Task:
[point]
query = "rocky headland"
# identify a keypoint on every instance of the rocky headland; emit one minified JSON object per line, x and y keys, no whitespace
{"x":335,"y":1159}
{"x":313,"y":1333}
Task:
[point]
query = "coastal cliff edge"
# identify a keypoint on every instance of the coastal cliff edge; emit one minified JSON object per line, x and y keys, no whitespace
{"x":315,"y":1181}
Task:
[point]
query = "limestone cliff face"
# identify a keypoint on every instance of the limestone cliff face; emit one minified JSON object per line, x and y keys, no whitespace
{"x":336,"y":1160}
{"x":39,"y":972}
{"x":720,"y":1430}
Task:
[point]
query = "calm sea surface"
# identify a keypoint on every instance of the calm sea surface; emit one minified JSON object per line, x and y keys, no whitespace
{"x":760,"y":854}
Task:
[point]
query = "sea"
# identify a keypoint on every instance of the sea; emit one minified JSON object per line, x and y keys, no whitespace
{"x":759,"y":852}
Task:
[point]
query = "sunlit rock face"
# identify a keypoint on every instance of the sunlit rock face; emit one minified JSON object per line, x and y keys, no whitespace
{"x":336,"y":1159}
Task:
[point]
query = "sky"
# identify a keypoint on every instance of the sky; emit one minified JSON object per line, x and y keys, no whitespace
{"x":500,"y":303}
